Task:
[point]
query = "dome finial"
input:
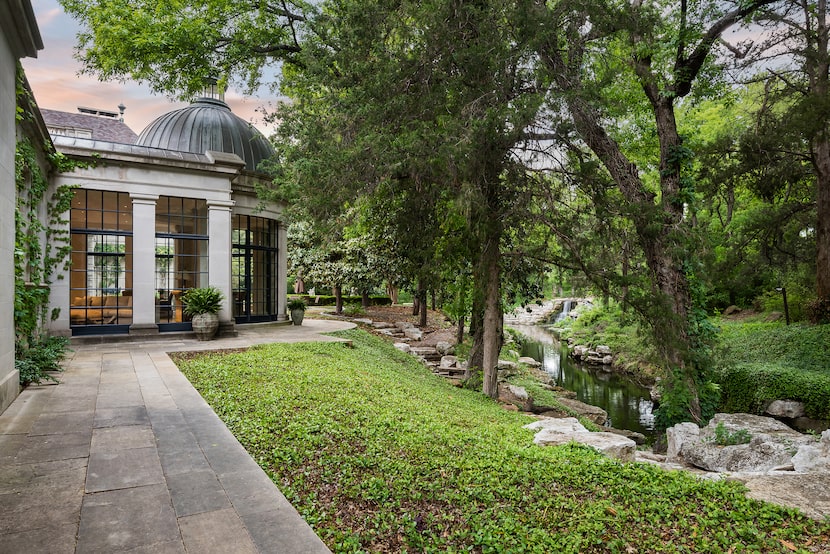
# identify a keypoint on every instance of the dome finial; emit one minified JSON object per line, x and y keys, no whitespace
{"x":213,"y":90}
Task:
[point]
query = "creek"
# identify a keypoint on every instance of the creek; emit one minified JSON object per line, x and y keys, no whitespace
{"x":628,"y":404}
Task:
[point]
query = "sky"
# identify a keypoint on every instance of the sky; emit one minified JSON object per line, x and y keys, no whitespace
{"x":57,"y":85}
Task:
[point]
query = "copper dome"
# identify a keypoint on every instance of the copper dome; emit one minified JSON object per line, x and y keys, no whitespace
{"x":207,"y":124}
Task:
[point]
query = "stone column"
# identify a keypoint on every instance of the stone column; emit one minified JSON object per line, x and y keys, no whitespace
{"x":219,"y":258}
{"x":144,"y":264}
{"x":282,"y":272}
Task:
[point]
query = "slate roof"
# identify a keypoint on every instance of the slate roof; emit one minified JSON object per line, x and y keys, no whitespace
{"x":102,"y":128}
{"x":207,"y":124}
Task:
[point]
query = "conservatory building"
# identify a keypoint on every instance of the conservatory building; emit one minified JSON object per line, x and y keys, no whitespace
{"x":157,"y":214}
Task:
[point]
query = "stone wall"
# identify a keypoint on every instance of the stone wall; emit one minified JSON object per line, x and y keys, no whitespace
{"x":19,"y":37}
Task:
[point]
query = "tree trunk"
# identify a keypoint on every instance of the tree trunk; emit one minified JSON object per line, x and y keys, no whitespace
{"x":476,"y":359}
{"x":493,"y":316}
{"x":459,"y":332}
{"x":422,"y":302}
{"x":364,"y":299}
{"x":416,"y":301}
{"x":338,"y":299}
{"x":820,"y":77}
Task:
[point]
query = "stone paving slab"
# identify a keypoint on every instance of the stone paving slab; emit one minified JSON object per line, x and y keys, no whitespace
{"x":125,"y":455}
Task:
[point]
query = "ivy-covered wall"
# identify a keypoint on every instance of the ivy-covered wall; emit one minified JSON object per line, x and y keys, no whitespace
{"x":19,"y":37}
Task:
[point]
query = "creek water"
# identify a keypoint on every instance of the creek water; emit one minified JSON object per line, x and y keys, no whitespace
{"x":628,"y":404}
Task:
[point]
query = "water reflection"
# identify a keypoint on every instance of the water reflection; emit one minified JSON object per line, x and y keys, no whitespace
{"x":628,"y":405}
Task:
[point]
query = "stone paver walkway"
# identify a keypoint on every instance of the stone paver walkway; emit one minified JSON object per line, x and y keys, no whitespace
{"x":125,"y":455}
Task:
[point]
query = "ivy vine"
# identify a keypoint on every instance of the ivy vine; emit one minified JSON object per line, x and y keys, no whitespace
{"x":42,"y":247}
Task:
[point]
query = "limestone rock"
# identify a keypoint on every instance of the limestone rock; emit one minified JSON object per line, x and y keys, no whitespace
{"x":527,"y":360}
{"x":814,"y":457}
{"x":363,"y":320}
{"x":603,"y":350}
{"x":638,"y":438}
{"x":507,"y":365}
{"x":607,"y":359}
{"x":403,"y":325}
{"x":785,"y":408}
{"x":579,"y":350}
{"x":557,"y":425}
{"x":444,"y":348}
{"x":593,"y":413}
{"x":609,"y":444}
{"x":731,"y":310}
{"x":678,"y":435}
{"x":403,"y":347}
{"x":413,"y":333}
{"x":383,"y":325}
{"x":772,"y":445}
{"x":518,"y":396}
{"x":448,"y":361}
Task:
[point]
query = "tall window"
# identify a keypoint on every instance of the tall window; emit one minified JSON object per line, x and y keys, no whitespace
{"x":100,"y":277}
{"x":254,"y":268}
{"x":181,"y":256}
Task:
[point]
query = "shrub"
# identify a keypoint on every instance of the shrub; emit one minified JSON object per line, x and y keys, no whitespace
{"x":42,"y":357}
{"x":203,"y":300}
{"x":751,"y":387}
{"x":296,"y":304}
{"x":725,"y":437}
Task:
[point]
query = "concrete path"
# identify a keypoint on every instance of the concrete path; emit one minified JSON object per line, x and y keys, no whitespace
{"x":125,"y":455}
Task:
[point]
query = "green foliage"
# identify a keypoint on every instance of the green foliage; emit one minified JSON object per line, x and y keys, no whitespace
{"x":41,"y":248}
{"x":622,"y":332}
{"x":353,"y":309}
{"x":174,"y":47}
{"x":328,"y":300}
{"x":725,"y":437}
{"x":41,"y":359}
{"x":761,"y":362}
{"x":378,"y":454}
{"x":296,"y":304}
{"x":202,"y":300}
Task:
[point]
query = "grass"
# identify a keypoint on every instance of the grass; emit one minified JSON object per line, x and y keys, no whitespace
{"x":380,"y":455}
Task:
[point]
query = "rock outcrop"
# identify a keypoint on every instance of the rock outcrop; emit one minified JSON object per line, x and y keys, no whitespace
{"x":771,"y":445}
{"x":558,"y":431}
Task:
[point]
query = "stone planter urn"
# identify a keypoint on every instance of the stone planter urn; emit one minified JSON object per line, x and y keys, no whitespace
{"x":297,"y":316}
{"x":205,"y":325}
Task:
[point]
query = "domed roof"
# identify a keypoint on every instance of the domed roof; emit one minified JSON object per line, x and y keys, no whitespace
{"x":207,"y":124}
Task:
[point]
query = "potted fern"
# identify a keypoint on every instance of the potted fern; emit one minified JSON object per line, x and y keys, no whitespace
{"x":203,"y":305}
{"x":297,"y":309}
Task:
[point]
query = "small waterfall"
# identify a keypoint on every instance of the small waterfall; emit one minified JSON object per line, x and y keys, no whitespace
{"x":566,"y":309}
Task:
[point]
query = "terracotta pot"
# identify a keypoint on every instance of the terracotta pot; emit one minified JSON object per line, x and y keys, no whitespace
{"x":205,"y":325}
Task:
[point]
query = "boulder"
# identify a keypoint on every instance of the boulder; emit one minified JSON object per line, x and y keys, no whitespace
{"x":772,"y":445}
{"x":607,"y":359}
{"x":579,"y":350}
{"x":507,"y":365}
{"x":677,"y":436}
{"x":603,"y":350}
{"x":593,"y":413}
{"x":383,"y":325}
{"x":638,"y":438}
{"x":403,"y":347}
{"x":403,"y":325}
{"x":731,"y":310}
{"x":518,"y":396}
{"x":444,"y":348}
{"x":448,"y":361}
{"x":527,"y":360}
{"x":557,"y":425}
{"x":555,"y":432}
{"x":363,"y":320}
{"x":413,"y":333}
{"x":785,"y":408}
{"x":815,"y":457}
